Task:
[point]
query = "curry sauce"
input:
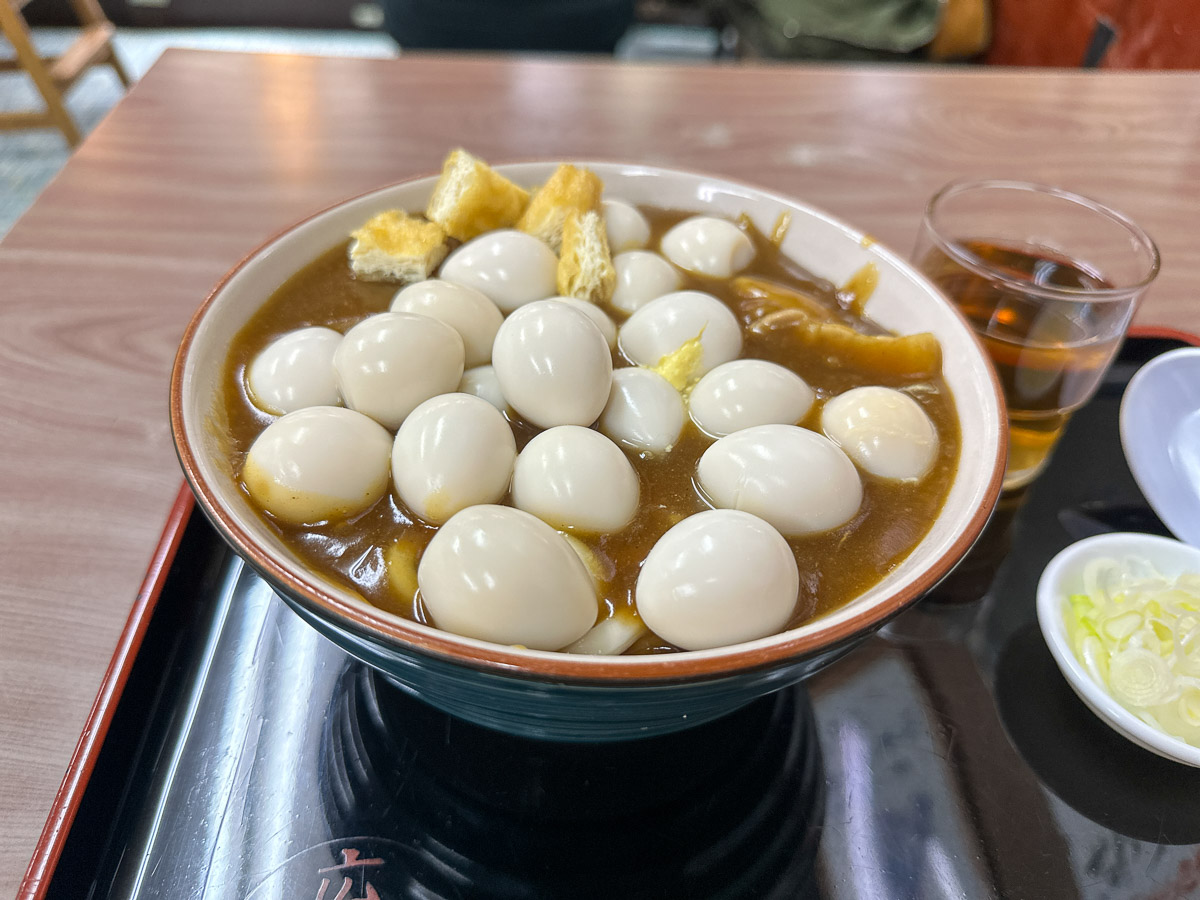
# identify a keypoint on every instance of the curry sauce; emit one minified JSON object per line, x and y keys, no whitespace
{"x":834,"y":566}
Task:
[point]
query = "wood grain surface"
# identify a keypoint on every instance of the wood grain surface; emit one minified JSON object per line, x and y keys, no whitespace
{"x":213,"y":152}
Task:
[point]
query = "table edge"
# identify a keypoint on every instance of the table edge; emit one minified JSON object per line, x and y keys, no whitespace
{"x":49,"y":847}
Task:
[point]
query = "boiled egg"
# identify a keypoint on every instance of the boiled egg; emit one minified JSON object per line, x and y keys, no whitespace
{"x":748,"y":392}
{"x":466,"y":310}
{"x":511,"y":268}
{"x":884,"y":430}
{"x":664,"y":325}
{"x":626,"y":227}
{"x":318,"y":463}
{"x":575,"y":478}
{"x":717,"y":578}
{"x":706,"y":245}
{"x":452,"y":452}
{"x":553,"y":364}
{"x":796,"y":479}
{"x":389,"y":363}
{"x":644,"y":412}
{"x":482,"y":382}
{"x":598,"y":316}
{"x":499,"y":574}
{"x":642,"y":276}
{"x":295,"y":371}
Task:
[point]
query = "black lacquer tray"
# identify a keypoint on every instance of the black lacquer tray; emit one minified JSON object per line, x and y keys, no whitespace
{"x":234,"y":753}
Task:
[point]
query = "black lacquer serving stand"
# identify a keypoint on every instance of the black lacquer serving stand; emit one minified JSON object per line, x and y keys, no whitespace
{"x":946,"y":757}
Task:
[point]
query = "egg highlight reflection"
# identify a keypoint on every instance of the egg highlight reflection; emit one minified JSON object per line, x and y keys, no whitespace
{"x":295,"y":371}
{"x":499,"y":574}
{"x":598,"y":316}
{"x":642,"y":276}
{"x":323,"y":462}
{"x":626,"y":227}
{"x":389,"y":363}
{"x":717,"y":578}
{"x":466,"y":310}
{"x":508,"y":267}
{"x":644,"y":412}
{"x":575,"y":478}
{"x":797,"y":480}
{"x":748,"y":392}
{"x":664,"y":325}
{"x":884,"y":430}
{"x":705,"y":245}
{"x":553,"y":364}
{"x":452,"y":452}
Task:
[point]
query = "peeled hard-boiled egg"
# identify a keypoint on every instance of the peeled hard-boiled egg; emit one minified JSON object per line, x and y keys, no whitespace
{"x":717,"y":578}
{"x":511,"y":268}
{"x":499,"y":574}
{"x":598,"y":316}
{"x":452,"y":452}
{"x":481,"y":381}
{"x":644,"y":412}
{"x":627,"y":228}
{"x":576,"y":478}
{"x":295,"y":371}
{"x":391,"y":362}
{"x":664,"y":325}
{"x":705,"y":245}
{"x":884,"y":430}
{"x":553,"y":364}
{"x":318,"y":463}
{"x":466,"y":310}
{"x":748,"y":392}
{"x":642,"y":276}
{"x":796,"y":479}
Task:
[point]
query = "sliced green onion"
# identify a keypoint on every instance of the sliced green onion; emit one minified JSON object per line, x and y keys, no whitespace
{"x":1140,"y":678}
{"x":1137,"y":633}
{"x":1189,"y":707}
{"x":1123,"y":625}
{"x":609,"y":637}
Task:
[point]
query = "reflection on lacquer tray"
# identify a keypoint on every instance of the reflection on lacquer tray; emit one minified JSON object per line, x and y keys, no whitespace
{"x":731,"y":808}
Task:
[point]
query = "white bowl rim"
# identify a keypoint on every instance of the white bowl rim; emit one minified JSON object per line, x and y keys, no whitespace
{"x":1050,"y":621}
{"x":1149,"y":454}
{"x":815,"y":636}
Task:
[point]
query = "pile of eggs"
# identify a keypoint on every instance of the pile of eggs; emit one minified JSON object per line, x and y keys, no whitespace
{"x":418,"y":399}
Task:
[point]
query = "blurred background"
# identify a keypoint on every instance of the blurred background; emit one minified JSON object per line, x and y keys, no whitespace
{"x":1115,"y":33}
{"x":1070,"y":33}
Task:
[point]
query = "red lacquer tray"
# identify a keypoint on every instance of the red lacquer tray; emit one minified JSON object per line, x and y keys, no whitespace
{"x":945,"y":754}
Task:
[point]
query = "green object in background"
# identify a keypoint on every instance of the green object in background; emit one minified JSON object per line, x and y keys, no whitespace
{"x":835,"y":29}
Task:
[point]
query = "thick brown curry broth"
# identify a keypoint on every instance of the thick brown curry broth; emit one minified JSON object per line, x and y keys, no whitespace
{"x":834,"y":567}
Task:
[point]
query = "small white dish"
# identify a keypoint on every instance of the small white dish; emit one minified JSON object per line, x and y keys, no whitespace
{"x":1160,"y":433}
{"x":1063,"y":577}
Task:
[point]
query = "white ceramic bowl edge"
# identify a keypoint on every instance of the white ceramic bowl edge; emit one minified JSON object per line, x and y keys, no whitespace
{"x":1062,"y":577}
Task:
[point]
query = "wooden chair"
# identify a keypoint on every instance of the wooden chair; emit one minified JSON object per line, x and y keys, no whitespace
{"x":54,"y":75}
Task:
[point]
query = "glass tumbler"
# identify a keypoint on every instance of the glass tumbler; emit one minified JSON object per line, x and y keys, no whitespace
{"x":1049,"y":280}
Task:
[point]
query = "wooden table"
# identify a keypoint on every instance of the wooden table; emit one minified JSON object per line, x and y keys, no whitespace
{"x":213,"y":152}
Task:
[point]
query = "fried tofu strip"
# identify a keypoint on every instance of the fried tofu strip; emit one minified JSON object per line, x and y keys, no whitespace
{"x":568,"y":190}
{"x":585,"y":269}
{"x":471,"y":198}
{"x":762,"y":296}
{"x":910,"y":356}
{"x":394,"y":246}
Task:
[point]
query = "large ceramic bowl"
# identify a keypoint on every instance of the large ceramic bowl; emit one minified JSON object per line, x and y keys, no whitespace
{"x":569,"y":697}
